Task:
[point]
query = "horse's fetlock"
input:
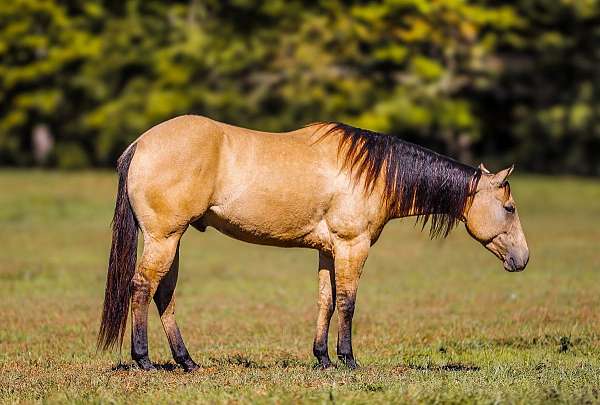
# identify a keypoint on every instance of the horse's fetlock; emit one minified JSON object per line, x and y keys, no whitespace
{"x":320,"y":349}
{"x":139,"y":352}
{"x":345,"y":356}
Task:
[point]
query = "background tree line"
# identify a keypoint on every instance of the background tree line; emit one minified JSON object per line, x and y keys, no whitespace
{"x":505,"y":81}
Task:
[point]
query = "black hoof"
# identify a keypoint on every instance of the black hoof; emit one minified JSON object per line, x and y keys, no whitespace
{"x":349,"y":362}
{"x":324,"y":364}
{"x":145,"y":364}
{"x":189,"y":366}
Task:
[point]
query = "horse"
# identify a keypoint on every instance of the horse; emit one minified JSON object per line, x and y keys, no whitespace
{"x":327,"y":186}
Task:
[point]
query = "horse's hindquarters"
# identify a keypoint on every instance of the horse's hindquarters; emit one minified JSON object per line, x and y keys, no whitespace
{"x":172,"y":176}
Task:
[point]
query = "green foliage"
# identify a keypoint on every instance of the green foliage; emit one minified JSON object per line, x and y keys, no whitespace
{"x":516,"y":81}
{"x":42,"y":46}
{"x":552,"y":83}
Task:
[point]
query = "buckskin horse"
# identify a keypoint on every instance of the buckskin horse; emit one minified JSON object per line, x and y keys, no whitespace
{"x":327,"y":186}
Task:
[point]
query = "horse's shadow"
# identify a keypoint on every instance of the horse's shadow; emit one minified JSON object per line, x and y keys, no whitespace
{"x":235,"y":360}
{"x":165,"y":366}
{"x":456,"y":367}
{"x":238,"y":360}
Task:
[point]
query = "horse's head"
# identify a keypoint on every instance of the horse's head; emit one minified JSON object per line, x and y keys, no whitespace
{"x":493,"y":220}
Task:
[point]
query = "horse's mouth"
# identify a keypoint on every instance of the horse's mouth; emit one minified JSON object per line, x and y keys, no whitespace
{"x":509,"y":259}
{"x":512,"y":266}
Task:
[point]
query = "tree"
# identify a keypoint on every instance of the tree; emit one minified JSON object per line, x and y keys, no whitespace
{"x":511,"y":81}
{"x":41,"y":47}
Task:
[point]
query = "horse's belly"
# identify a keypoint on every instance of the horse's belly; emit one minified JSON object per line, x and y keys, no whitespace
{"x":286,"y":225}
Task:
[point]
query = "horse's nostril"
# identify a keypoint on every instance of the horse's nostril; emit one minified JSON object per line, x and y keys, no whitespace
{"x":513,"y":264}
{"x":517,"y":263}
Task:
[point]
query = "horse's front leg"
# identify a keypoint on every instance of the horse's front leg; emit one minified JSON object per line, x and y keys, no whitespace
{"x":326,"y":307}
{"x":350,"y":257}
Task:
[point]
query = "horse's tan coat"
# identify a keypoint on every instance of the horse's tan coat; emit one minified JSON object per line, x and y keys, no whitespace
{"x":289,"y":190}
{"x":281,"y":189}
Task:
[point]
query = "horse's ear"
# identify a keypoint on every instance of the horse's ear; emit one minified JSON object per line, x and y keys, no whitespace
{"x":500,"y":177}
{"x":483,"y":168}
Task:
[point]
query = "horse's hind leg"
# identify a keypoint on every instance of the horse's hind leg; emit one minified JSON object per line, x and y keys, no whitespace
{"x":326,"y":307}
{"x":154,"y":265}
{"x":165,"y":302}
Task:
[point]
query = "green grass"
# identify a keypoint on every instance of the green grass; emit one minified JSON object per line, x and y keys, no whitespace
{"x":436,"y":321}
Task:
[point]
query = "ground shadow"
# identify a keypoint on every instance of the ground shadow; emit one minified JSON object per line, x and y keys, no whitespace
{"x":166,"y":366}
{"x":457,"y":367}
{"x":237,"y":360}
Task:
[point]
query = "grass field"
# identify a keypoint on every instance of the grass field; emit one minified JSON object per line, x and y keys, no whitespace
{"x":436,"y":321}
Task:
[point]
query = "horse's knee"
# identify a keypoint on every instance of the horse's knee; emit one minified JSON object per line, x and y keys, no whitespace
{"x":346,"y":303}
{"x":327,"y":305}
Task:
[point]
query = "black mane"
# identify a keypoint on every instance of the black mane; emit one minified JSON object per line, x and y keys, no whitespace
{"x":417,"y":180}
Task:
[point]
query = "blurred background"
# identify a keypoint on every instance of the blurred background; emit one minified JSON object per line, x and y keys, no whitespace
{"x":437,"y":321}
{"x":478,"y":80}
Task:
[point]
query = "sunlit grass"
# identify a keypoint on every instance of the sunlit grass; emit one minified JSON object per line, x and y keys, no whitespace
{"x":436,"y":321}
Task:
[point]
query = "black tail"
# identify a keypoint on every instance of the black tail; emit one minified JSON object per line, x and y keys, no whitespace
{"x":121,"y":263}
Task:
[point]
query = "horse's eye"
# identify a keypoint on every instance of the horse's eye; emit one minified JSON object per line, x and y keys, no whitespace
{"x":510,"y":208}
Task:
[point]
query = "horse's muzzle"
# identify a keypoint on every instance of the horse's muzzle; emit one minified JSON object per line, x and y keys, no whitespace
{"x":516,"y":262}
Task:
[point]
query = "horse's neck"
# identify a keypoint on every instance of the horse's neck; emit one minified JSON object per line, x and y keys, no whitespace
{"x":397,"y":211}
{"x":442,"y":215}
